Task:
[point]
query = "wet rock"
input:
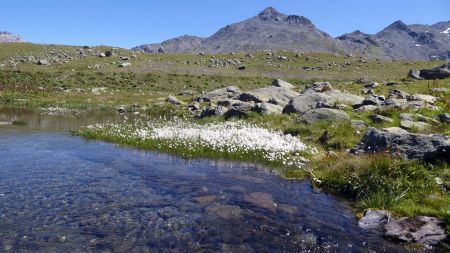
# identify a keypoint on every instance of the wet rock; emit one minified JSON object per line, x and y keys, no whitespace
{"x":419,"y":229}
{"x":261,"y":199}
{"x":225,"y":211}
{"x":374,"y":219}
{"x":325,"y":114}
{"x":380,"y":119}
{"x":206,"y":199}
{"x":282,"y":84}
{"x":318,"y":87}
{"x":292,"y":210}
{"x":406,"y":145}
{"x":219,"y":94}
{"x":173,"y":100}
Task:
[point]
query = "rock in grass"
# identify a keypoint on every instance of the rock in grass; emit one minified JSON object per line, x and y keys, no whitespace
{"x":306,"y":102}
{"x":374,"y":219}
{"x":420,"y":229}
{"x":414,"y":74}
{"x":405,"y":145}
{"x":366,"y":108}
{"x":439,"y":72}
{"x":265,"y":94}
{"x":444,"y":117}
{"x":124,"y":64}
{"x":269,"y":109}
{"x":219,"y":94}
{"x":217,"y":110}
{"x":422,"y":97}
{"x":397,"y":94}
{"x":317,"y":87}
{"x":326,"y":114}
{"x":380,"y":119}
{"x":409,"y":125}
{"x":173,"y":100}
{"x":42,"y":62}
{"x":282,"y":84}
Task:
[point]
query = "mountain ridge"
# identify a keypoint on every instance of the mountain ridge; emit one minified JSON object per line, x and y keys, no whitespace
{"x":273,"y":30}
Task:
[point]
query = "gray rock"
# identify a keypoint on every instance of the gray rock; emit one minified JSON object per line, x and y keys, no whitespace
{"x":213,"y":111}
{"x":124,"y":64}
{"x":414,"y":74}
{"x":173,"y":100}
{"x":440,"y":90}
{"x":242,"y":106}
{"x":42,"y":62}
{"x":282,"y":84}
{"x":366,"y":108}
{"x":444,"y":117}
{"x":344,"y":98}
{"x":419,"y":229}
{"x":326,"y":114}
{"x":394,"y":103}
{"x":407,"y":146}
{"x":409,"y":125}
{"x":398,"y":94}
{"x":380,"y":119}
{"x":358,"y":124}
{"x":306,"y":102}
{"x":268,"y":93}
{"x":395,"y":130}
{"x":317,"y":87}
{"x":269,"y":109}
{"x":372,"y":85}
{"x":372,"y":100}
{"x":121,"y":109}
{"x":439,"y":72}
{"x":217,"y":94}
{"x":186,"y":93}
{"x":407,"y":116}
{"x":374,"y":219}
{"x":422,"y":97}
{"x":194,"y":106}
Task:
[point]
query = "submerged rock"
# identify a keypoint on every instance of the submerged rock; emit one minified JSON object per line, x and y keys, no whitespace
{"x":262,"y":199}
{"x":225,"y":211}
{"x":419,"y":229}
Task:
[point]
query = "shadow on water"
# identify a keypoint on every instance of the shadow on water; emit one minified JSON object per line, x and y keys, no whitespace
{"x":62,"y":193}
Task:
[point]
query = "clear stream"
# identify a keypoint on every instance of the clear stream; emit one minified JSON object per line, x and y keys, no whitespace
{"x":61,"y":193}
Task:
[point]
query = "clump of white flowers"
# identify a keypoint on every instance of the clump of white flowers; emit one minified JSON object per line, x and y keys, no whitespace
{"x":230,"y":137}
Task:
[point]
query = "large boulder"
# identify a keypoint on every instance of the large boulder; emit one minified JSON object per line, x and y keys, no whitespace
{"x":268,"y":108}
{"x":217,"y":110}
{"x":218,"y":94}
{"x":439,"y":72}
{"x":337,"y":96}
{"x":405,"y":145}
{"x":419,"y":229}
{"x":306,"y":102}
{"x":267,"y":94}
{"x":414,"y":74}
{"x":317,"y":87}
{"x":282,"y":84}
{"x":325,"y":114}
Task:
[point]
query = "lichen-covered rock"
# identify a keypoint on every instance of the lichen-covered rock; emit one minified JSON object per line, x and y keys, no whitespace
{"x":326,"y":114}
{"x":405,"y":145}
{"x":419,"y":229}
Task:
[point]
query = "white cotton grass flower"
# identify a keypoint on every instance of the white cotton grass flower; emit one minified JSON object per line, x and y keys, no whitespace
{"x":231,"y":137}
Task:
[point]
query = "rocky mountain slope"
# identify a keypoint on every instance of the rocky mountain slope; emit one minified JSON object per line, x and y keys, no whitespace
{"x":271,"y":29}
{"x":9,"y":37}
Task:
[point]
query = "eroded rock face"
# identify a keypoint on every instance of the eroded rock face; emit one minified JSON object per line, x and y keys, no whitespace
{"x":262,"y":199}
{"x":419,"y":229}
{"x":405,"y":145}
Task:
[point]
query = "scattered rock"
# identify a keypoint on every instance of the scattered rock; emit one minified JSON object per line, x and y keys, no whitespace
{"x":121,"y":109}
{"x":439,"y":72}
{"x":318,"y":87}
{"x":414,"y":74}
{"x":124,"y":64}
{"x":358,"y":124}
{"x":409,"y":125}
{"x":405,"y":145}
{"x":217,"y":94}
{"x":421,"y":97}
{"x":282,"y":84}
{"x":374,"y":219}
{"x":306,"y":102}
{"x":173,"y":100}
{"x":326,"y":114}
{"x":241,"y":68}
{"x":217,"y":110}
{"x":419,"y":229}
{"x":395,"y":130}
{"x":380,"y":119}
{"x":366,"y":108}
{"x":260,"y":95}
{"x":42,"y":62}
{"x":398,"y":94}
{"x":269,"y":109}
{"x":444,"y":117}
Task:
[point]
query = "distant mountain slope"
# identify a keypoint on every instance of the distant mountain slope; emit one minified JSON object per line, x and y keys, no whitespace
{"x":183,"y":44}
{"x":271,"y":29}
{"x":9,"y":37}
{"x":401,"y":41}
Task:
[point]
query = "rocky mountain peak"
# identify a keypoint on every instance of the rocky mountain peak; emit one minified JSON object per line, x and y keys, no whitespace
{"x":270,"y":13}
{"x":397,"y":25}
{"x":9,"y":37}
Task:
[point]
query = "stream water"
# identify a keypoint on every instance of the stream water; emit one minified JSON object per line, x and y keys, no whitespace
{"x":61,"y":193}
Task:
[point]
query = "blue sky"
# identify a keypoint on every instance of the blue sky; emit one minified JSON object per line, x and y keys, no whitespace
{"x":128,"y":23}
